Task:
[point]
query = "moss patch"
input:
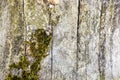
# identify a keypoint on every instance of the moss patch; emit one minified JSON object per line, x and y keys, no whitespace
{"x":39,"y":44}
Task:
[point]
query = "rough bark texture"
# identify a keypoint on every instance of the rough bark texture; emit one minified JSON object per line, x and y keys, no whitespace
{"x":86,"y":37}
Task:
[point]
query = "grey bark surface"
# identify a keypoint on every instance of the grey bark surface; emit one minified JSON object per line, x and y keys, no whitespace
{"x":86,"y":40}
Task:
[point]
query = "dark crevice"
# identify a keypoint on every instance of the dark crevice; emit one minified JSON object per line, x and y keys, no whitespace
{"x":99,"y":69}
{"x":51,"y":51}
{"x":52,"y":57}
{"x":78,"y":38}
{"x":102,"y":41}
{"x":102,"y":60}
{"x":25,"y":28}
{"x":86,"y":48}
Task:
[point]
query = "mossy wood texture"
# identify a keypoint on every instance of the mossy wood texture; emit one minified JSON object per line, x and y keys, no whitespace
{"x":68,"y":40}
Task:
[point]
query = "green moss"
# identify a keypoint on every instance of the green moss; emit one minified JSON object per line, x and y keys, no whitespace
{"x":10,"y":77}
{"x":42,"y":41}
{"x":39,"y":42}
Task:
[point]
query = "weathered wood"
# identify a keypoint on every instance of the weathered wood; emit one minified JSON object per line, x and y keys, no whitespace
{"x":86,"y":37}
{"x":98,"y":26}
{"x":64,"y":42}
{"x":11,"y":33}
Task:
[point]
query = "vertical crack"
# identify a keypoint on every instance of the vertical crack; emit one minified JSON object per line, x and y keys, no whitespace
{"x":52,"y":56}
{"x":102,"y":41}
{"x":101,"y":60}
{"x":111,"y":59}
{"x":86,"y":60}
{"x":111,"y":39}
{"x":78,"y":24}
{"x":51,"y":51}
{"x":25,"y":29}
{"x":86,"y":57}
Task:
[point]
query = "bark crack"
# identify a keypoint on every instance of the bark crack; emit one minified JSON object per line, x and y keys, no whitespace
{"x":25,"y":29}
{"x":78,"y":38}
{"x":51,"y":51}
{"x":102,"y":41}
